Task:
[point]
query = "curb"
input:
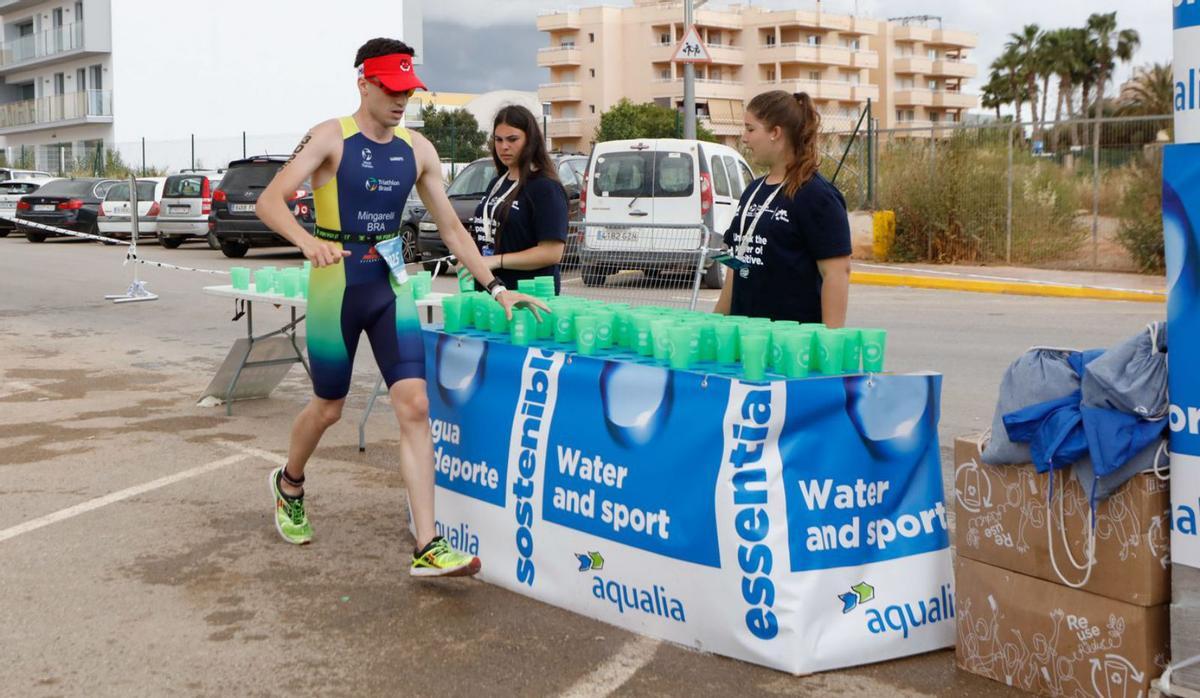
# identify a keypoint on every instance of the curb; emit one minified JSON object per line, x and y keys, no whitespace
{"x":1013,"y":288}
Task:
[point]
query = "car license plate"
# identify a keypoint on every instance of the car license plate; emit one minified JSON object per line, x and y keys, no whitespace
{"x":241,"y":208}
{"x":44,"y":207}
{"x":617,"y":235}
{"x":8,"y":204}
{"x":179,"y":209}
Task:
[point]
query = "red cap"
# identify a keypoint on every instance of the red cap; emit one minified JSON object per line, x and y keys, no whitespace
{"x":394,"y":71}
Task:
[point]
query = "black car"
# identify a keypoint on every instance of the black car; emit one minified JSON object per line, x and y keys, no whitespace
{"x":469,"y":188}
{"x":72,"y":204}
{"x":410,"y":223}
{"x":234,"y":221}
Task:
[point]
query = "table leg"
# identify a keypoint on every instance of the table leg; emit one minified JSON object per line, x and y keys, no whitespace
{"x":362,"y":425}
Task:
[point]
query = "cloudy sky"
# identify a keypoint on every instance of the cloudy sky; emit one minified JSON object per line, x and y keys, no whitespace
{"x":478,"y":45}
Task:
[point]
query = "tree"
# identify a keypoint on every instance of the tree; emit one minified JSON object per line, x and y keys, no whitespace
{"x":1151,"y":92}
{"x":1008,"y":66}
{"x":1024,"y":49}
{"x":996,"y":93}
{"x":1109,"y":45}
{"x":454,"y":133}
{"x":626,"y":120}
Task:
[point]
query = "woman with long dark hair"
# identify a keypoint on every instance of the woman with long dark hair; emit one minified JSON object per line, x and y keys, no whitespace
{"x":790,"y":236}
{"x":521,"y":224}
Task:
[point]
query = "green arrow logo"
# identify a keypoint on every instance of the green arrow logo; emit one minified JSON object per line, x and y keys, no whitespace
{"x":597,"y":561}
{"x":864,"y":591}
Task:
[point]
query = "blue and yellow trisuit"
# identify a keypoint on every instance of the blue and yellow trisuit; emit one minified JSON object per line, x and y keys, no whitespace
{"x":360,"y":206}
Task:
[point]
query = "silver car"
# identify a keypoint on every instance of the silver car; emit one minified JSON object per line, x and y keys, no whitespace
{"x":11,"y":191}
{"x":186,"y":205}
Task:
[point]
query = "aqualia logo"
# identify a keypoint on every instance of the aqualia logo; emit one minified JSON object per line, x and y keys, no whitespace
{"x":654,"y":601}
{"x":904,"y":617}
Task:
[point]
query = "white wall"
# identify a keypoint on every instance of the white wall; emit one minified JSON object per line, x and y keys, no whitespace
{"x":228,"y":66}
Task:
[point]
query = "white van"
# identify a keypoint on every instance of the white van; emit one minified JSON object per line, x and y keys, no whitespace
{"x":658,"y":182}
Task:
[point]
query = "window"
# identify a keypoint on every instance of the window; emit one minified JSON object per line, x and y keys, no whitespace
{"x":664,"y":39}
{"x":566,"y":175}
{"x":814,"y":75}
{"x":472,"y":181}
{"x":591,"y":37}
{"x":81,"y":80}
{"x":720,"y":178}
{"x":60,"y":84}
{"x":934,"y":117}
{"x":814,"y":40}
{"x":736,"y":186}
{"x":660,"y":174}
{"x":770,"y":39}
{"x":79,"y":11}
{"x":851,"y":44}
{"x":592,"y":108}
{"x":567,"y":43}
{"x":933,"y":85}
{"x":747,"y":175}
{"x":714,"y":74}
{"x":664,"y":74}
{"x":905,"y":50}
{"x":850,"y":76}
{"x":95,"y":81}
{"x":932,"y":53}
{"x":771,"y":74}
{"x":592,"y":72}
{"x":906,"y":83}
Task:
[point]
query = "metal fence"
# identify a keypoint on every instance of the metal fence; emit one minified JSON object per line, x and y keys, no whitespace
{"x":1013,"y":193}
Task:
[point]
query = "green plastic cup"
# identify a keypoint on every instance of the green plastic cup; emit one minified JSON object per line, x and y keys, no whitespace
{"x":754,"y":356}
{"x":564,"y":325}
{"x":467,"y":308}
{"x":497,"y":319}
{"x":527,"y":286}
{"x":708,"y":341}
{"x":452,"y":312}
{"x":680,"y":350}
{"x":797,"y":353}
{"x":466,"y":282}
{"x":852,"y":352}
{"x":605,"y":329}
{"x":482,"y":305}
{"x":830,"y":347}
{"x":421,"y":287}
{"x":642,"y":342}
{"x":623,"y":328}
{"x":240,"y":278}
{"x":524,"y":329}
{"x":289,"y":282}
{"x":544,"y":328}
{"x":874,"y":344}
{"x":660,"y":335}
{"x":545,"y":286}
{"x":726,"y":336}
{"x":814,"y":326}
{"x":586,"y":334}
{"x":264,"y":280}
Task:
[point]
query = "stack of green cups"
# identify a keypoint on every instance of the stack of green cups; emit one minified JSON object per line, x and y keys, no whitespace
{"x":523,"y":327}
{"x":605,"y":329}
{"x":544,"y":287}
{"x":239,"y":278}
{"x":830,"y":349}
{"x":498,"y":319}
{"x":264,"y":280}
{"x":643,"y":343}
{"x":660,"y":335}
{"x":466,"y":282}
{"x":797,"y":352}
{"x":708,"y":340}
{"x":586,"y":334}
{"x":874,"y":343}
{"x":288,"y":282}
{"x":527,"y":286}
{"x":481,"y":303}
{"x":726,"y":335}
{"x":453,"y":312}
{"x":564,"y":324}
{"x":754,"y":347}
{"x":680,"y":341}
{"x":852,"y":353}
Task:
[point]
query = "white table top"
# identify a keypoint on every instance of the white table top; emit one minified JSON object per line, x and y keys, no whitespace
{"x":432,"y":300}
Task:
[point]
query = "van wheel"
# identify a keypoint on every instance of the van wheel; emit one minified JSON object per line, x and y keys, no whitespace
{"x":714,"y":276}
{"x":234,"y":250}
{"x":169,"y":242}
{"x":34,"y":236}
{"x":3,"y":233}
{"x":594,"y":275}
{"x":213,"y":242}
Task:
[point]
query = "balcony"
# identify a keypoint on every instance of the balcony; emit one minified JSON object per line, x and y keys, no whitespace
{"x":913,"y":128}
{"x":819,"y":89}
{"x":912,"y":65}
{"x":864,"y":59}
{"x":816,"y":20}
{"x":954,"y":69}
{"x":953,"y":37}
{"x":92,"y":106}
{"x":60,"y":43}
{"x":946,"y":99}
{"x":722,"y":54}
{"x":862,"y":26}
{"x":559,"y":55}
{"x":705,"y":89}
{"x":560,"y":92}
{"x":912,"y":33}
{"x":558,"y":21}
{"x":911,"y":97}
{"x":566,"y":128}
{"x":806,"y":53}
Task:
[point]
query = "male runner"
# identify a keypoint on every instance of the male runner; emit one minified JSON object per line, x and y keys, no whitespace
{"x":362,"y":168}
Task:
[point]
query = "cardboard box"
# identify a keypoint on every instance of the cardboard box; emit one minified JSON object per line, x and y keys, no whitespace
{"x":1002,"y":513}
{"x":1053,"y":640}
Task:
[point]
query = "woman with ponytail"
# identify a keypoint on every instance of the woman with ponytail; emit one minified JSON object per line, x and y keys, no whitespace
{"x":521,"y":224}
{"x":790,"y":236}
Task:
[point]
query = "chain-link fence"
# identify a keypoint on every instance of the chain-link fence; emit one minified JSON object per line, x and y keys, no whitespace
{"x":1013,"y":193}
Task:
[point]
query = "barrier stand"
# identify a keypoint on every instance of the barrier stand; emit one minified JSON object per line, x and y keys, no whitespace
{"x":137,"y":290}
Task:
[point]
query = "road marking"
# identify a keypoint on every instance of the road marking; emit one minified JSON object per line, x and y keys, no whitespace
{"x":615,"y":672}
{"x":256,"y":452}
{"x":93,"y":504}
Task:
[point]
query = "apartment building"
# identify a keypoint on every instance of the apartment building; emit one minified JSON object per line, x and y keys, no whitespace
{"x":78,"y":74}
{"x":911,"y":72}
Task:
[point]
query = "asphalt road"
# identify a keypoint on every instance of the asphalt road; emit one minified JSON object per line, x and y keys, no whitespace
{"x":181,"y":586}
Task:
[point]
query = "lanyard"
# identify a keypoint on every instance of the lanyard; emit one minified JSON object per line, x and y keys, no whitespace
{"x":748,"y":235}
{"x":489,"y":216}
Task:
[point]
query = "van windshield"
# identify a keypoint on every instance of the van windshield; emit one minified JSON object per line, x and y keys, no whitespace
{"x":669,"y":174}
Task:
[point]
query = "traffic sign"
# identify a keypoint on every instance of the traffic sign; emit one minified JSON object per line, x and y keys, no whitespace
{"x":692,"y":49}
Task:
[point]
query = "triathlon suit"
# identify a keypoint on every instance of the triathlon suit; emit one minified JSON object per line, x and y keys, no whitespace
{"x":360,"y":206}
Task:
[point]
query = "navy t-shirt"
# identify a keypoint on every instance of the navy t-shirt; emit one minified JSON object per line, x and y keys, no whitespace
{"x":538,"y":213}
{"x":793,"y":234}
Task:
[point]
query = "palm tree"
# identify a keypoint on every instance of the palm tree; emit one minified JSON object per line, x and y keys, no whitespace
{"x":1151,"y":92}
{"x":996,"y":93}
{"x":1007,"y":67}
{"x":1025,"y":46}
{"x":1109,"y":45}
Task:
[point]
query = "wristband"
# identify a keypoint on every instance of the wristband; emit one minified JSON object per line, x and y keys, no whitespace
{"x":496,"y":287}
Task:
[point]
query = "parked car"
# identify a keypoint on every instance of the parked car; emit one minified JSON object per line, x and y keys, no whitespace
{"x":116,"y":213}
{"x":10,"y":173}
{"x":410,"y":225}
{"x":656,"y":182}
{"x":469,"y":188}
{"x":72,"y":204}
{"x":11,"y":191}
{"x":234,"y":221}
{"x":186,"y":205}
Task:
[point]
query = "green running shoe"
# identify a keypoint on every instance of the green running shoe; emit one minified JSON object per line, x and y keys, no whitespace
{"x":290,"y":519}
{"x":438,"y":559}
